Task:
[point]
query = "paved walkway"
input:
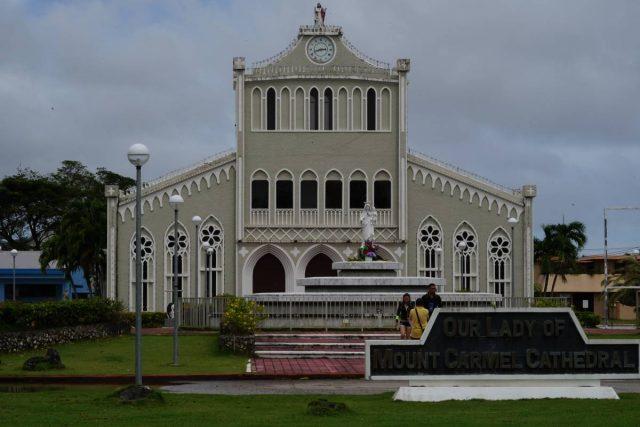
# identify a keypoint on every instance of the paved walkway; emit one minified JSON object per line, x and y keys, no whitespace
{"x":308,"y":366}
{"x":326,"y":387}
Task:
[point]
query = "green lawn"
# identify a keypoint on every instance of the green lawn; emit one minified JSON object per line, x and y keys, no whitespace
{"x":614,"y":336}
{"x":198,"y":355}
{"x":92,"y":406}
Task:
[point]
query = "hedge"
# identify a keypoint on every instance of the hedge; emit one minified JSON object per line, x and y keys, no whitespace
{"x":52,"y":314}
{"x":150,"y":319}
{"x":588,"y":319}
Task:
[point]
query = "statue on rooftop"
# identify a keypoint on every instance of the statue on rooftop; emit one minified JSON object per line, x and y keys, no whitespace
{"x":319,"y":13}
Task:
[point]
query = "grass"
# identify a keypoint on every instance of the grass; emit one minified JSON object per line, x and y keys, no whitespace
{"x":198,"y":355}
{"x":614,"y":336}
{"x":94,"y":406}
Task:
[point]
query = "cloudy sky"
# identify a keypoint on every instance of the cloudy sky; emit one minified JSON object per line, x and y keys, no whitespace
{"x":542,"y":92}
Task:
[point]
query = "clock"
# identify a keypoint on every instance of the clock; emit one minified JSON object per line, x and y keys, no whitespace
{"x":320,"y":49}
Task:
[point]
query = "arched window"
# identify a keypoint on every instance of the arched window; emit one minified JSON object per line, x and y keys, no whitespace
{"x":333,"y":191}
{"x":356,"y":107}
{"x":430,"y":240}
{"x":284,"y":190}
{"x":212,"y":259}
{"x":328,"y":109}
{"x":259,"y":190}
{"x":343,"y":109}
{"x":313,"y":109}
{"x":148,"y":260}
{"x":382,"y":191}
{"x":385,"y":109}
{"x":183,"y":262}
{"x":285,"y":109}
{"x":357,"y":190}
{"x":256,"y":109}
{"x":299,"y":109}
{"x":499,"y":269}
{"x":309,"y":191}
{"x":271,"y":109}
{"x":371,"y":109}
{"x":465,"y":260}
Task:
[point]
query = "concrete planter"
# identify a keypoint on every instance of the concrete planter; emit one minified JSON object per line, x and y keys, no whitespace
{"x":237,"y":344}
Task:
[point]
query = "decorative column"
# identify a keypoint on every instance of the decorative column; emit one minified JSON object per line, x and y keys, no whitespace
{"x":111,"y":192}
{"x":402,"y":67}
{"x":529,"y":192}
{"x":238,"y":85}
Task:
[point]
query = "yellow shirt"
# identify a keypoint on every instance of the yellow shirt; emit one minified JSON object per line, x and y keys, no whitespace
{"x":416,"y":330}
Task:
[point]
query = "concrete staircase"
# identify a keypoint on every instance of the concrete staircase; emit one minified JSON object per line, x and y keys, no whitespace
{"x":305,"y":345}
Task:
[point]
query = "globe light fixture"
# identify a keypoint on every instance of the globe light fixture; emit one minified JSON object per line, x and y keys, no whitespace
{"x":138,"y":154}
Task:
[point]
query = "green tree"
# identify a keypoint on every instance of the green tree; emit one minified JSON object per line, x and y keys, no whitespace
{"x":558,"y":251}
{"x":79,"y":238}
{"x":630,"y":276}
{"x":31,"y":206}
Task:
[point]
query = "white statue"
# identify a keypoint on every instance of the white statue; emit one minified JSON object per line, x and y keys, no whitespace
{"x":368,"y":218}
{"x":318,"y":15}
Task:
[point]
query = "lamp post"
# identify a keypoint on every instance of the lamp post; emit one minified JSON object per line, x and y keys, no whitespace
{"x":175,"y":201}
{"x":138,"y":155}
{"x":196,"y":221}
{"x":14,"y":254}
{"x":513,"y":221}
{"x":462,"y":246}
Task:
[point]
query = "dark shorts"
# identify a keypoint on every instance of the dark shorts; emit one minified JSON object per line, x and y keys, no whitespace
{"x":405,"y":323}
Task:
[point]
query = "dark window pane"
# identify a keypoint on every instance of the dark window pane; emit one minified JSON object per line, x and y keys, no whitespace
{"x":284,"y":194}
{"x":382,"y":194}
{"x":328,"y":109}
{"x":313,"y":109}
{"x":260,"y":194}
{"x":333,"y":194}
{"x":308,"y":195}
{"x":371,"y":109}
{"x":271,"y":109}
{"x":357,"y":194}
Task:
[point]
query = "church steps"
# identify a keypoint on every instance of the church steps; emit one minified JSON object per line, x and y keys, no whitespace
{"x":320,"y":354}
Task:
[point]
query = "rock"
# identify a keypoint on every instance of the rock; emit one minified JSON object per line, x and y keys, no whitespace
{"x":134,"y":393}
{"x":323,"y":407}
{"x":50,"y":361}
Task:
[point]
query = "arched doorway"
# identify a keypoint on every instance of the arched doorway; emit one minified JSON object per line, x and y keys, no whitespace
{"x":320,"y":266}
{"x":268,"y":275}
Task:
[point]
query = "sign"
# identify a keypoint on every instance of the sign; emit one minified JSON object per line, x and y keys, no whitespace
{"x":503,"y":343}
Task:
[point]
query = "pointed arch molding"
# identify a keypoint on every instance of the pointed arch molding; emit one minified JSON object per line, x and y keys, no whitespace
{"x":468,"y":192}
{"x":184,"y":183}
{"x":313,"y":251}
{"x":259,"y":252}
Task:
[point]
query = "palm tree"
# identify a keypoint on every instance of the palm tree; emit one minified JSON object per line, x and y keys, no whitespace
{"x":542,"y":253}
{"x":568,"y":240}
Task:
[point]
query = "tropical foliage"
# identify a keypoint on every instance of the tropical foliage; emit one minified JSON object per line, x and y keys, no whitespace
{"x":630,"y":276}
{"x":63,"y":214}
{"x":241,"y":317}
{"x":557,"y":252}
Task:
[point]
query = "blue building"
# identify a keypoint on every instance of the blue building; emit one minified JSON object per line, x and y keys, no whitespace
{"x":34,"y":284}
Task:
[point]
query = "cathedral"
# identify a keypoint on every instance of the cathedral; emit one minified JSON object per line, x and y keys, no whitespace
{"x":321,"y":130}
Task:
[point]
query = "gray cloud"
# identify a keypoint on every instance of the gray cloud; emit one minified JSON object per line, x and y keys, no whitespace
{"x":541,"y":92}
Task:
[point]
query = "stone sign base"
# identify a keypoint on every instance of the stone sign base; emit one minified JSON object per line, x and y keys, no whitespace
{"x":515,"y":390}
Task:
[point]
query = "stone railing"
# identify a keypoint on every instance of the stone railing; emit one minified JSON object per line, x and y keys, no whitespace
{"x":313,"y":218}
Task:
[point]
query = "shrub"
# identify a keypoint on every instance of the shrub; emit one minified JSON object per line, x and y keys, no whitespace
{"x":51,"y":314}
{"x":588,"y":319}
{"x":150,"y":319}
{"x":241,"y":317}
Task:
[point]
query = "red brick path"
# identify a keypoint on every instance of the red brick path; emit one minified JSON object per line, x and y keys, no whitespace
{"x":307,"y":366}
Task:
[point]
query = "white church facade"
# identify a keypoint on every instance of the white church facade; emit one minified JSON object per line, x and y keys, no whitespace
{"x":321,"y":129}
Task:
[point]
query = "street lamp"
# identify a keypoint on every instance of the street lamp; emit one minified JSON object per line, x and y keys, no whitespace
{"x":14,"y":254}
{"x":462,"y":246}
{"x":138,"y":155}
{"x":196,"y":221}
{"x":175,"y":201}
{"x":513,"y":221}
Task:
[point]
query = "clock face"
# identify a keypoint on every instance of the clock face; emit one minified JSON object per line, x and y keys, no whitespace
{"x":320,"y":49}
